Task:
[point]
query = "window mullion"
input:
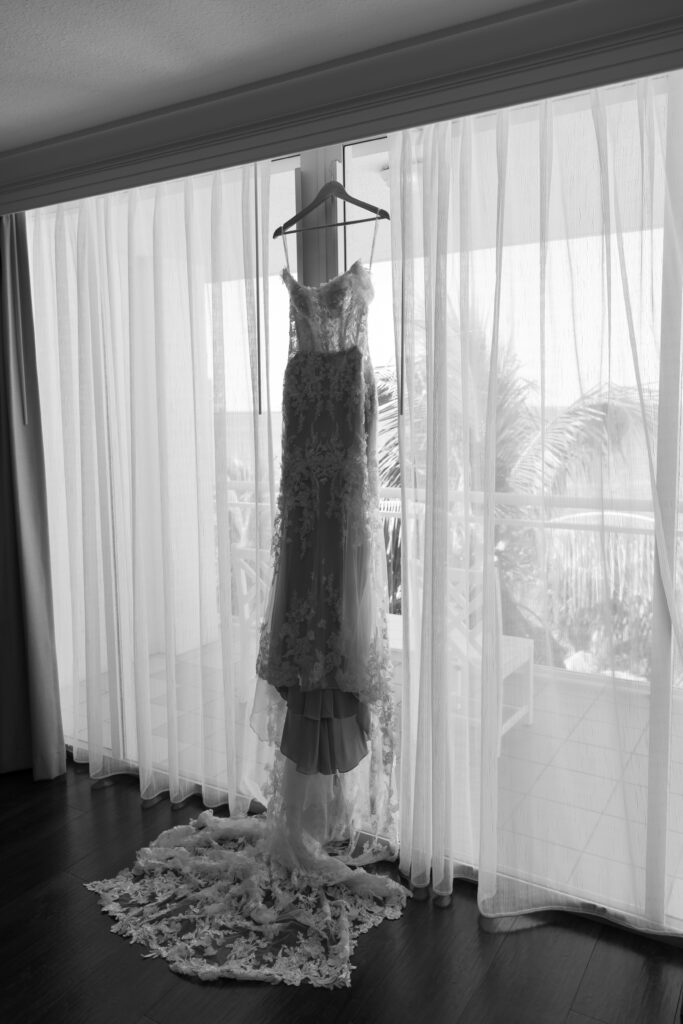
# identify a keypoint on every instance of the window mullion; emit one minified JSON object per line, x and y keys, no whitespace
{"x":318,"y":251}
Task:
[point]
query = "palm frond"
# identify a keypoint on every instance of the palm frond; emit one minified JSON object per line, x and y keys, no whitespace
{"x":577,"y":438}
{"x":388,"y":458}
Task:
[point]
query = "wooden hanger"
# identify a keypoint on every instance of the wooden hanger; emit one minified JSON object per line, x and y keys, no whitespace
{"x":331,"y":188}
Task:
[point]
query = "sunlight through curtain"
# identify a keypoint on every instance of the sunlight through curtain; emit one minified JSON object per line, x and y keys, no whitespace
{"x":537,"y":302}
{"x":537,"y":268}
{"x":161,"y":474}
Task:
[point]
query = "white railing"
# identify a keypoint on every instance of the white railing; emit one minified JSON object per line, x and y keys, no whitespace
{"x":566,"y":513}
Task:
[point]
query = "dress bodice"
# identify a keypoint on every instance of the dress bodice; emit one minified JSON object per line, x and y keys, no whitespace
{"x":330,"y":317}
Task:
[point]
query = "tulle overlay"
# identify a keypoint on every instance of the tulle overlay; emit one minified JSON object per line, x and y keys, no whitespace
{"x":283,"y":896}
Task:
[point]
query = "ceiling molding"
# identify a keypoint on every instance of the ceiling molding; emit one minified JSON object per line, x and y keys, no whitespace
{"x":542,"y":50}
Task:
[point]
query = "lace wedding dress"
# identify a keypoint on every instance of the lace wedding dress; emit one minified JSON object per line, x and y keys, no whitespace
{"x":283,"y":896}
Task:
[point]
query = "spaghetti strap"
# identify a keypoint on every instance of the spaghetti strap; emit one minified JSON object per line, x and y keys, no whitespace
{"x":372,"y":248}
{"x":374,"y":239}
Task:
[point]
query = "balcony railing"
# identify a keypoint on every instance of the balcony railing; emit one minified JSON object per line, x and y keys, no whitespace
{"x":559,"y":515}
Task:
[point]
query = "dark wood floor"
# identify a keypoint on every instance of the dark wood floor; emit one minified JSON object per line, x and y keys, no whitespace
{"x":60,"y":962}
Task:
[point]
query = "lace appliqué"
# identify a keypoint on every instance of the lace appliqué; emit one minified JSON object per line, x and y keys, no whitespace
{"x":330,"y":317}
{"x":326,"y":621}
{"x":211,"y":899}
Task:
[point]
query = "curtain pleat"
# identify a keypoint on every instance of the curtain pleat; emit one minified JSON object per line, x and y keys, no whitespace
{"x":537,"y":301}
{"x":161,"y":480}
{"x":30,"y":711}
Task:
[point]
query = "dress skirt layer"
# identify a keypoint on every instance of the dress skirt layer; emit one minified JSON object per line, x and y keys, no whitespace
{"x":325,"y":730}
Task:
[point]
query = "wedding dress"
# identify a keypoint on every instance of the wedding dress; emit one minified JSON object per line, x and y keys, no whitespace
{"x":283,"y":896}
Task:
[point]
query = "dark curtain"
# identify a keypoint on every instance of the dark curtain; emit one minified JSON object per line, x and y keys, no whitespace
{"x":30,"y":719}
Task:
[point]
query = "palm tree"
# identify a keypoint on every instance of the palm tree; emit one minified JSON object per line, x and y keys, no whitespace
{"x":568,"y":451}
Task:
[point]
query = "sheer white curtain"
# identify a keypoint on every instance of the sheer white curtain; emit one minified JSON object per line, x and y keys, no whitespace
{"x":537,"y":256}
{"x":153,"y":354}
{"x":537,"y":268}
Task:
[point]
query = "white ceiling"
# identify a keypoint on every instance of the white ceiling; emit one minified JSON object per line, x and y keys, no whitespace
{"x":70,"y":65}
